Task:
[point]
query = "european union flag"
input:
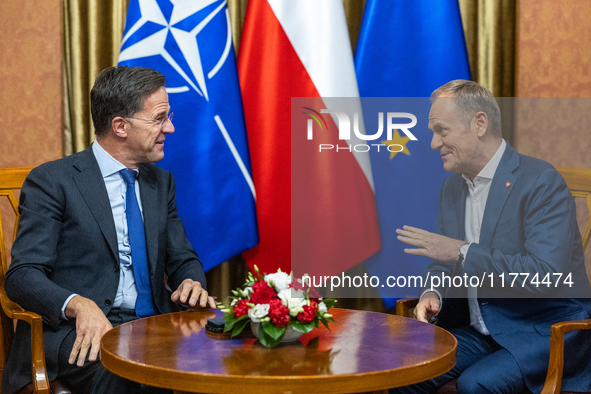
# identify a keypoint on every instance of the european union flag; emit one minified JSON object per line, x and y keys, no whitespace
{"x":407,"y":49}
{"x":190,"y":42}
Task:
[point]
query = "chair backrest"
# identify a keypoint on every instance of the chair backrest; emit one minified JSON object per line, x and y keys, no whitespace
{"x":11,"y":180}
{"x":578,"y":181}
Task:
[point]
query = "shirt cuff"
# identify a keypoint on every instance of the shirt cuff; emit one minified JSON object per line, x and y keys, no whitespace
{"x":63,"y":315}
{"x":464,"y":251}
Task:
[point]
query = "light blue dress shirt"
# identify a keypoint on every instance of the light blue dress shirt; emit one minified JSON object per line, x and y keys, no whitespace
{"x":117,"y":189}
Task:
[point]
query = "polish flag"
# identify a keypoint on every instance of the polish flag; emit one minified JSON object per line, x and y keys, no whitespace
{"x":316,"y":211}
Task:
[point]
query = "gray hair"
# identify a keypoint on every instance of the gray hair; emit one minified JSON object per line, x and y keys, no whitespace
{"x":121,"y":91}
{"x":470,"y":97}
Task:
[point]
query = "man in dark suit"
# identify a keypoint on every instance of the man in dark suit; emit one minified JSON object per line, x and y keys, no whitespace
{"x":99,"y":236}
{"x":501,"y":213}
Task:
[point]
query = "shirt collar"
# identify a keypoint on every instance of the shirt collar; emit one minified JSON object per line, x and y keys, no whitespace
{"x":488,"y":172}
{"x":107,"y":163}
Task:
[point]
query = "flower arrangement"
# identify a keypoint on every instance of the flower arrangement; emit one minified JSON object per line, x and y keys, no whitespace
{"x":276,"y":302}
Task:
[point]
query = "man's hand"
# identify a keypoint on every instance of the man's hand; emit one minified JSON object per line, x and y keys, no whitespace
{"x":91,"y":325}
{"x":193,"y":292}
{"x":435,"y":246}
{"x":427,"y":307}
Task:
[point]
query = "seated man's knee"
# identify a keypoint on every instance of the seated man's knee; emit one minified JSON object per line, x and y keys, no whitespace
{"x":472,"y":384}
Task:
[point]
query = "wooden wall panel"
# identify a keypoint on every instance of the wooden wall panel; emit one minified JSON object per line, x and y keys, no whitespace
{"x":30,"y":82}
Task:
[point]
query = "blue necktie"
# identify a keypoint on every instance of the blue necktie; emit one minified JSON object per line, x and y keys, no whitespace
{"x":144,"y":304}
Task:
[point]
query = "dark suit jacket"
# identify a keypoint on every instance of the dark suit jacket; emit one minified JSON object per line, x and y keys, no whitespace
{"x":529,"y":226}
{"x":67,"y":243}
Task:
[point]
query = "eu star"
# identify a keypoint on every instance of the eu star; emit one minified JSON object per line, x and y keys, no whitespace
{"x":397,"y":142}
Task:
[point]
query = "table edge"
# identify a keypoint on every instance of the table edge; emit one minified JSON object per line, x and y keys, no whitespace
{"x":208,"y":382}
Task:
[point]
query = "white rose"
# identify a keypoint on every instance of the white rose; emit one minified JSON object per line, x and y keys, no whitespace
{"x":279,"y":281}
{"x":258,"y":312}
{"x":234,"y":302}
{"x":292,"y":298}
{"x":293,"y":312}
{"x":322,"y":307}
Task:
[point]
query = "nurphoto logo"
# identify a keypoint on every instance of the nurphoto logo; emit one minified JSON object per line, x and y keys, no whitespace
{"x":344,"y":126}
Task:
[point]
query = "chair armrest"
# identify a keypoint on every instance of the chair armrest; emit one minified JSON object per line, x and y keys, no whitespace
{"x":556,"y":364}
{"x":14,"y":311}
{"x":405,"y":306}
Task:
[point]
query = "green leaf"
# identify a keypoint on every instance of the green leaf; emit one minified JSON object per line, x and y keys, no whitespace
{"x":301,"y":327}
{"x":272,"y":330}
{"x":267,"y":340}
{"x":329,"y":302}
{"x":230,"y":320}
{"x":239,"y":326}
{"x":325,"y":324}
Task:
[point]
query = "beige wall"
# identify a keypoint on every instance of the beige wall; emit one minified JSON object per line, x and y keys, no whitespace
{"x":30,"y":82}
{"x":554,"y":60}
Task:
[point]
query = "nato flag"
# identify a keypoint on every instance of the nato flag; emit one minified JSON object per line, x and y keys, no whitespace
{"x":407,"y":49}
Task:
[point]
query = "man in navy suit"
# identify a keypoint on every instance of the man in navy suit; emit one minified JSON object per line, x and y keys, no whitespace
{"x":100,"y":239}
{"x":500,"y":213}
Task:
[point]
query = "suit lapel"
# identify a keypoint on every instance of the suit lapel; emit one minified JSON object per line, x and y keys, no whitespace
{"x":460,"y":206}
{"x":149,"y":198}
{"x":502,"y":185}
{"x":89,"y":181}
{"x":459,"y":198}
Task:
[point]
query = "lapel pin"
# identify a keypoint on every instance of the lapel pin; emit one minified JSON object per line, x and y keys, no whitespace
{"x":507,"y":184}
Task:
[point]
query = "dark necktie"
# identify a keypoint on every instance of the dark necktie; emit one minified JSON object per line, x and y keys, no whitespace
{"x":144,"y":304}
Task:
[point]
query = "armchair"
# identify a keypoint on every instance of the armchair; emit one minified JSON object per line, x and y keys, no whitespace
{"x":578,"y":181}
{"x":12,"y":179}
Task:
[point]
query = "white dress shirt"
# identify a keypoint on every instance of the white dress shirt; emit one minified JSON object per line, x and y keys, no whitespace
{"x":478,"y":190}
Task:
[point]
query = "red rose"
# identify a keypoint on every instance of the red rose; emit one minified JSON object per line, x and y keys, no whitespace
{"x":263,"y":295}
{"x":309,"y":312}
{"x":278,"y":313}
{"x":241,"y":308}
{"x":259,"y":285}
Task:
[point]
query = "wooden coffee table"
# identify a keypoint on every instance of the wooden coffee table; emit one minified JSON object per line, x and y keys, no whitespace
{"x":363,"y":352}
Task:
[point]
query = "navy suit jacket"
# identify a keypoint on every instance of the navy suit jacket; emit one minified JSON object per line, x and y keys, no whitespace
{"x":67,"y":243}
{"x":529,"y":226}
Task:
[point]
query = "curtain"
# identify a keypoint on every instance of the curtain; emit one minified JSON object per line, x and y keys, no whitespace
{"x":92,"y":38}
{"x":489,"y":27}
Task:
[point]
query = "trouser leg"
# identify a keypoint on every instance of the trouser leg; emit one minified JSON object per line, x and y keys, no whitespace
{"x":92,"y":377}
{"x":472,"y":347}
{"x":497,"y":373}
